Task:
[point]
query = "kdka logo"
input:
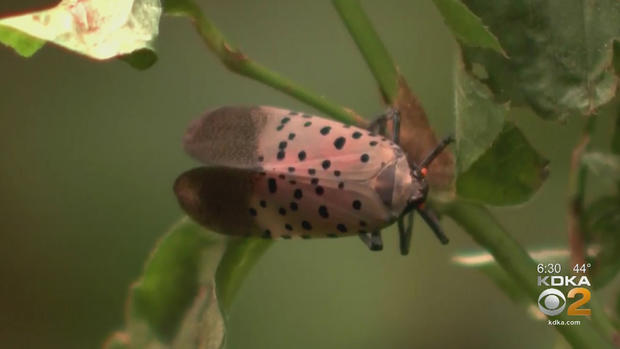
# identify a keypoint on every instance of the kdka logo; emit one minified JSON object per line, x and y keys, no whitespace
{"x":552,"y":301}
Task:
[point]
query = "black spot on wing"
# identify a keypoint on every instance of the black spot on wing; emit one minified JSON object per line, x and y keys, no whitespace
{"x":323,"y":212}
{"x":271,"y":185}
{"x":339,"y":142}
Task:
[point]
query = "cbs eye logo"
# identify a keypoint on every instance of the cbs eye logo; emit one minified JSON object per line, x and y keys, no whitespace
{"x":552,"y":302}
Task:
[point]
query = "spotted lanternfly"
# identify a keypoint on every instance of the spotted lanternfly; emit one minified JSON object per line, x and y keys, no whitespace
{"x":276,"y":173}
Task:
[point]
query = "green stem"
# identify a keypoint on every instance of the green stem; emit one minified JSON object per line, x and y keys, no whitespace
{"x":477,"y":221}
{"x":239,"y":258}
{"x":376,"y":55}
{"x":239,"y":63}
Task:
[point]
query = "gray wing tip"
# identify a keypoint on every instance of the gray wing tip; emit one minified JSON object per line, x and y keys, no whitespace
{"x":216,"y":124}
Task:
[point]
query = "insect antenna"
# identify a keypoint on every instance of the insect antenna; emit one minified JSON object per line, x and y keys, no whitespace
{"x":438,"y":149}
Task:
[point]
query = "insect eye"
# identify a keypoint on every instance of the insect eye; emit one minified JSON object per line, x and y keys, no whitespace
{"x":423,"y":171}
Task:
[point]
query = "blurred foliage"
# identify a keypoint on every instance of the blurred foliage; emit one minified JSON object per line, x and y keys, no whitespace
{"x":94,"y":28}
{"x":602,"y":228}
{"x":560,"y":54}
{"x":466,"y":26}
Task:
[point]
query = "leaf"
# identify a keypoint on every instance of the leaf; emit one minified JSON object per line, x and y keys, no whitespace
{"x":24,"y":44}
{"x":466,"y":26}
{"x":560,"y":53}
{"x":177,"y":301}
{"x":99,"y":29}
{"x":183,"y":261}
{"x":479,"y":120}
{"x":203,"y":325}
{"x":141,"y":59}
{"x":509,"y":173}
{"x":602,"y":230}
{"x":495,"y":163}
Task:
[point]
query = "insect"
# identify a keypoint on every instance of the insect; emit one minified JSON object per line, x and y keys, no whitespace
{"x":276,"y":173}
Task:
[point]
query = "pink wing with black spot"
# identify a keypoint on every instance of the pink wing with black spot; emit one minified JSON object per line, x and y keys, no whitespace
{"x":300,"y":175}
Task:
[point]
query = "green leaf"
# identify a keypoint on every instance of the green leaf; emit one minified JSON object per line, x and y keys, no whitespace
{"x":141,"y":59}
{"x":94,"y":28}
{"x":466,"y":26}
{"x":479,"y":120}
{"x":509,"y":173}
{"x":184,"y":261}
{"x":560,"y":53}
{"x":495,"y":163}
{"x":602,"y":230}
{"x":177,"y":303}
{"x":24,"y":44}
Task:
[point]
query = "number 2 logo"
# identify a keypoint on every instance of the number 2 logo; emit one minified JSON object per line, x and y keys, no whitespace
{"x":575,"y":307}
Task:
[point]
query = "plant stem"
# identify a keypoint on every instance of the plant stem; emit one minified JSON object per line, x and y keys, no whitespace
{"x":239,"y":63}
{"x":478,"y":222}
{"x":378,"y":58}
{"x":577,"y":187}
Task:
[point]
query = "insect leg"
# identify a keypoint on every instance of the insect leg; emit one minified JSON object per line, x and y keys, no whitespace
{"x":379,"y":124}
{"x":395,"y":126}
{"x":438,"y":149}
{"x":404,"y":232}
{"x":372,"y":240}
{"x":432,"y":221}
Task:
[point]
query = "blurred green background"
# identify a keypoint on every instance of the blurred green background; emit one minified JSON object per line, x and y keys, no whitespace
{"x":89,"y":152}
